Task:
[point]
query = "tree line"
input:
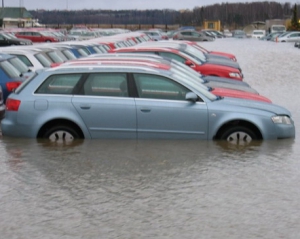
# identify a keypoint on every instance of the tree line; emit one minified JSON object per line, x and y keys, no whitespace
{"x":230,"y":14}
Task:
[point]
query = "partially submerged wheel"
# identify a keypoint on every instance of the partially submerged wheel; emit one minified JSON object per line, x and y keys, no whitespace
{"x":61,"y":133}
{"x":238,"y":135}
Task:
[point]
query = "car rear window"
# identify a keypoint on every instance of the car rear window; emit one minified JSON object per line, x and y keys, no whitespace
{"x":10,"y":70}
{"x":59,"y":84}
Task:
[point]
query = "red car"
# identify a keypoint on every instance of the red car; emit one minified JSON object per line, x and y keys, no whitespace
{"x":218,"y":53}
{"x":224,"y":92}
{"x":37,"y":36}
{"x":204,"y":68}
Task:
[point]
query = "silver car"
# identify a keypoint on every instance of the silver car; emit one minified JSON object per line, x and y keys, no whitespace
{"x":135,"y":102}
{"x":190,"y":35}
{"x":288,"y":37}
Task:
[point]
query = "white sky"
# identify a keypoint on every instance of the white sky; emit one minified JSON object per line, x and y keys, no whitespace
{"x":118,"y":4}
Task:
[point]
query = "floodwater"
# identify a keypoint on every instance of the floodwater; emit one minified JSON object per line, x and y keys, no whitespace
{"x":163,"y":189}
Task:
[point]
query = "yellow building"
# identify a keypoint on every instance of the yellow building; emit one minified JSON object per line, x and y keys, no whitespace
{"x":214,"y":25}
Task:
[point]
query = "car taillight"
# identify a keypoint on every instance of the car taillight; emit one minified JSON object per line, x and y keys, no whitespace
{"x":12,"y":104}
{"x":10,"y":86}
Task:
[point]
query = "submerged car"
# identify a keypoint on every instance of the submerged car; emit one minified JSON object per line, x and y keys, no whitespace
{"x":11,"y":40}
{"x":135,"y":102}
{"x":292,"y":36}
{"x":220,"y":68}
{"x":191,"y":35}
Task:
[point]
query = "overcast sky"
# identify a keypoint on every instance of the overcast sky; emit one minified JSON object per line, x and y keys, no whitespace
{"x":118,"y":4}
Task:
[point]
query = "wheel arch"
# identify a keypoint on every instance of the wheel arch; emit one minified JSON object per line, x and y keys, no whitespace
{"x":54,"y":122}
{"x":241,"y":122}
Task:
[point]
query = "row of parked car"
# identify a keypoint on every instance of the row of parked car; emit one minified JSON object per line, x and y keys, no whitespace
{"x":129,"y":86}
{"x":287,"y":36}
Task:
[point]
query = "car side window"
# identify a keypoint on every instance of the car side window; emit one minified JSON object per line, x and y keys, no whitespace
{"x":106,"y":84}
{"x":59,"y":84}
{"x":196,"y":34}
{"x":158,"y":87}
{"x":186,"y":33}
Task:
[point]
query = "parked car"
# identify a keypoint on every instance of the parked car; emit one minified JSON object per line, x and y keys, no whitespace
{"x":151,"y":57}
{"x":10,"y":77}
{"x":227,"y":33}
{"x":191,"y":49}
{"x":271,"y":36}
{"x":258,"y":34}
{"x":239,"y":34}
{"x":205,"y":68}
{"x":217,"y":88}
{"x":154,"y":35}
{"x":293,"y":36}
{"x":37,"y":36}
{"x":87,"y":102}
{"x":33,"y":59}
{"x":9,"y":40}
{"x":191,"y":35}
{"x":18,"y":64}
{"x":216,"y":33}
{"x":2,"y":105}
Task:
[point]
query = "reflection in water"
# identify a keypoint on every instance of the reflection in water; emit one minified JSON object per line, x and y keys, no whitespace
{"x":162,"y":189}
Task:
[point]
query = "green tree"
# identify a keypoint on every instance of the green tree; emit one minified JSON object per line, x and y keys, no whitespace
{"x":295,"y":20}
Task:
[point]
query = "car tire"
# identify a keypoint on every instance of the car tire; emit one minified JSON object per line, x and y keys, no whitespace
{"x":48,"y":41}
{"x":61,"y":133}
{"x":238,"y":135}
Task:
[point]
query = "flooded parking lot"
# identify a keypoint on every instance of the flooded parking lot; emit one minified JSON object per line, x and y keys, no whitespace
{"x":162,"y":189}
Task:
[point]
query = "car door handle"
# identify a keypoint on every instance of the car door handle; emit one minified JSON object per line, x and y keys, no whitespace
{"x":145,"y":110}
{"x":85,"y":107}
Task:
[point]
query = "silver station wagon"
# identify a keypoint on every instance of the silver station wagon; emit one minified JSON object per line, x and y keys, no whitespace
{"x":135,"y":102}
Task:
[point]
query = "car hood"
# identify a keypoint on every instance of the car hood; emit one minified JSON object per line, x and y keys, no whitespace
{"x":239,"y":94}
{"x":224,"y":80}
{"x":223,"y":62}
{"x":252,"y":104}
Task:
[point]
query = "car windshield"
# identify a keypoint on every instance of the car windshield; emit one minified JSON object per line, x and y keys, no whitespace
{"x":8,"y":36}
{"x":197,"y":53}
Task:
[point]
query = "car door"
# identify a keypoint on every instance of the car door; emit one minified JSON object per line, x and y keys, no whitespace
{"x":293,"y":37}
{"x":186,"y":36}
{"x":163,"y":112}
{"x":105,"y":107}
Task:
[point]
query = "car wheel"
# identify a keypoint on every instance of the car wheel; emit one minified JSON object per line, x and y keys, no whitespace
{"x":238,"y":135}
{"x":48,"y":41}
{"x":61,"y":133}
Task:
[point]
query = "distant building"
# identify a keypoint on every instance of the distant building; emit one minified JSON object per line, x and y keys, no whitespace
{"x":214,"y":25}
{"x":17,"y":17}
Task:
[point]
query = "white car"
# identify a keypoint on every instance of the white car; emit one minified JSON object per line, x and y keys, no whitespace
{"x":293,"y":36}
{"x":258,"y":34}
{"x":33,"y":59}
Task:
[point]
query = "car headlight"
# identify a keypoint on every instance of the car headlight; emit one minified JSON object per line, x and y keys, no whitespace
{"x":281,"y":119}
{"x":235,"y":75}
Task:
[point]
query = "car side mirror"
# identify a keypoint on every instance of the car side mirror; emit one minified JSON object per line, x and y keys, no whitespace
{"x":191,"y":96}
